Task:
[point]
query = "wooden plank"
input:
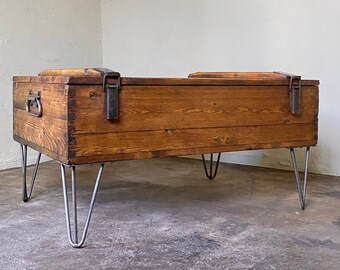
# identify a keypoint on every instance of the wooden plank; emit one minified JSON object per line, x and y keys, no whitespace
{"x":207,"y":81}
{"x":54,"y":155}
{"x":88,"y":145}
{"x":53,"y":97}
{"x":240,"y":75}
{"x":47,"y":132}
{"x":78,"y":72}
{"x":182,"y":152}
{"x":42,"y":79}
{"x":164,"y":107}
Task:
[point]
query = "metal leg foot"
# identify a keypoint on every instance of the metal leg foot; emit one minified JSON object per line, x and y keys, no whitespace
{"x":74,"y":240}
{"x":302,"y":192}
{"x":26,"y":196}
{"x":210,"y":174}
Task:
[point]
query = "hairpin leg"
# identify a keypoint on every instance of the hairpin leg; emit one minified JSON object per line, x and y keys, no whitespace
{"x":302,"y":192}
{"x":25,"y":196}
{"x":74,"y":240}
{"x":210,"y":174}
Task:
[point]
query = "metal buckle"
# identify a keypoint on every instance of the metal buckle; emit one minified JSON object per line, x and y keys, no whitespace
{"x":295,"y":96}
{"x":111,"y":92}
{"x":294,"y":92}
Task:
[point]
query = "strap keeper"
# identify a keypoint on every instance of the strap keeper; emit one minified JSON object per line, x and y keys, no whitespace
{"x":111,"y":90}
{"x":294,"y":92}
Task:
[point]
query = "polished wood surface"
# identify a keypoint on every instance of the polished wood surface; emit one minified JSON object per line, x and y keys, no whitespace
{"x":240,"y":75}
{"x":73,"y":72}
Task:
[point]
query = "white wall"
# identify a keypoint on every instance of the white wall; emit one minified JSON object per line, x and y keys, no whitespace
{"x":40,"y":34}
{"x":176,"y":37}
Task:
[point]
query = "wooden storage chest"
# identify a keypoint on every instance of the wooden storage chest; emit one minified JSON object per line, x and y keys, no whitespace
{"x":205,"y":113}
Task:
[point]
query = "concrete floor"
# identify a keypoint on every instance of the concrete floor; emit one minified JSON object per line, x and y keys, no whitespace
{"x":164,"y":214}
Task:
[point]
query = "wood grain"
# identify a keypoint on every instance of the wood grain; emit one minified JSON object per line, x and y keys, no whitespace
{"x":240,"y":75}
{"x":153,"y":81}
{"x":208,"y":81}
{"x":162,"y":117}
{"x":169,"y":107}
{"x":89,"y":145}
{"x":78,"y":72}
{"x":48,"y":132}
{"x":183,"y":152}
{"x":53,"y":98}
{"x":42,"y":79}
{"x":59,"y":156}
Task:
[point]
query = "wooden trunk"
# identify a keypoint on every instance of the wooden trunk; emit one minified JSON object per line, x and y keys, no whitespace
{"x":205,"y":113}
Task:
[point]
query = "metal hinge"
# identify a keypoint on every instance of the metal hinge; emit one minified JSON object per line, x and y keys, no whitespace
{"x":111,"y":92}
{"x":294,"y":92}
